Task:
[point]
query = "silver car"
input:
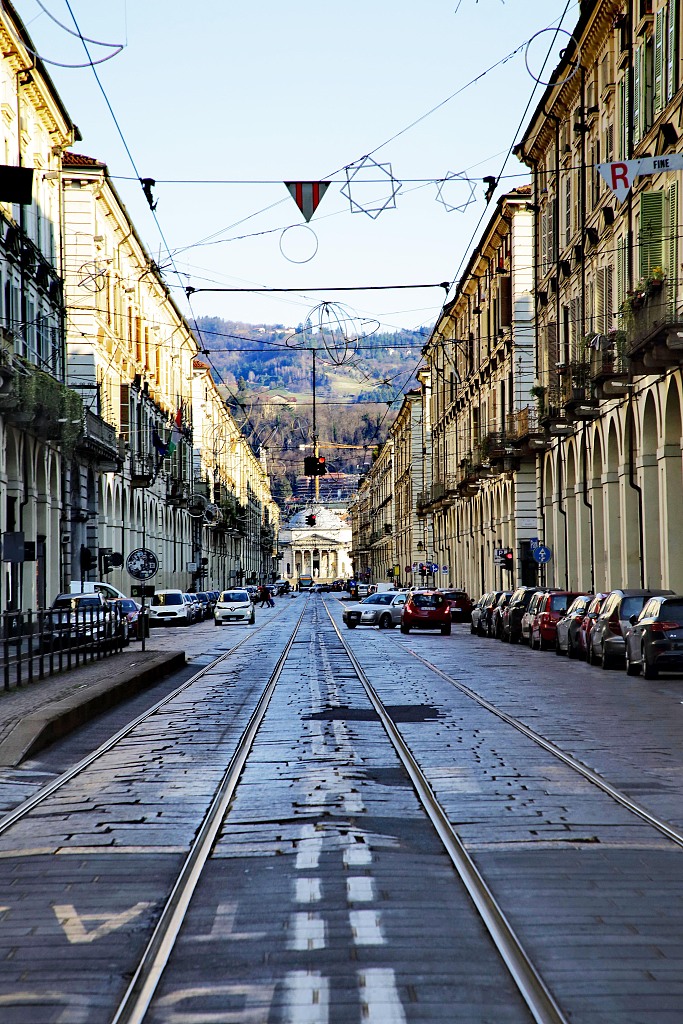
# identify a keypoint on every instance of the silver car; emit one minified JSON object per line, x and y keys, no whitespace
{"x":383,"y":610}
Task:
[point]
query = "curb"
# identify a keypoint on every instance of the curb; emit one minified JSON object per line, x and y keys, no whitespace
{"x":36,"y":731}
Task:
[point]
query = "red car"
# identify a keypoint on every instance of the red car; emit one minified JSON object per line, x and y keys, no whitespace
{"x":426,"y":609}
{"x":551,"y":608}
{"x":583,"y":635}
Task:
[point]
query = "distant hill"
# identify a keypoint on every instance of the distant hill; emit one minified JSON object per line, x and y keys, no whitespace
{"x":267,"y":383}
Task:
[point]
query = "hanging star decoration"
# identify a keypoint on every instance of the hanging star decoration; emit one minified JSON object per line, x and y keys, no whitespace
{"x":376,"y":182}
{"x":446,"y":184}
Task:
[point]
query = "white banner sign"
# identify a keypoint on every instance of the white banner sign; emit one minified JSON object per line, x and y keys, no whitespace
{"x":620,"y":175}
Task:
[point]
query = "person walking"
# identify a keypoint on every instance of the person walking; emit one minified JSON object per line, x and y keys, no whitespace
{"x":265,"y":596}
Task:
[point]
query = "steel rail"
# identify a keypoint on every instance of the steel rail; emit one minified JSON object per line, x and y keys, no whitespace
{"x":569,"y":760}
{"x":136,"y":1000}
{"x":529,"y":982}
{"x":46,"y":791}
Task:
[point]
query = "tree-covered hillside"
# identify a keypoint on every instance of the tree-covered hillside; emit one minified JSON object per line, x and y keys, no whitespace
{"x":267,"y":378}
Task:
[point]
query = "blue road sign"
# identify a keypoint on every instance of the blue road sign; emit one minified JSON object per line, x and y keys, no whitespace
{"x":542,"y":554}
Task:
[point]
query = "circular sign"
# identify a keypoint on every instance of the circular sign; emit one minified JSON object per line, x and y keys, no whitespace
{"x":142,"y":564}
{"x":444,"y":568}
{"x":542,"y":554}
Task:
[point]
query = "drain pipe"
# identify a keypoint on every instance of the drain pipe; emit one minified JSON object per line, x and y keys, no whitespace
{"x":633,"y":483}
{"x":589,"y":505}
{"x":563,"y":513}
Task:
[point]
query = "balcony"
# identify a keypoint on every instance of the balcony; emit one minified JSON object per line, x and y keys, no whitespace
{"x":654,"y":331}
{"x":100,"y":442}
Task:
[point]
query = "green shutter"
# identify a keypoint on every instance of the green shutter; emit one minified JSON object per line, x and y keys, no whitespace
{"x":637,"y":91}
{"x":658,"y":93}
{"x":671,"y":49}
{"x":671,"y":255}
{"x":651,"y":241}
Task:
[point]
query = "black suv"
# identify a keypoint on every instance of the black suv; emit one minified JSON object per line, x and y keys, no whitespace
{"x":511,"y":623}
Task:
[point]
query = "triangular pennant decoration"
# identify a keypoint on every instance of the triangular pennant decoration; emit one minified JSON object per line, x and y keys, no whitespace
{"x":307,"y":195}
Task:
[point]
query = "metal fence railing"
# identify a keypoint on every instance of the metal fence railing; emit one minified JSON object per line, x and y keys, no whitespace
{"x":37,"y":644}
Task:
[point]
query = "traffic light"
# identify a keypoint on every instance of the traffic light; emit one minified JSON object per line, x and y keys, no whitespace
{"x":321,"y":466}
{"x":509,"y":561}
{"x":310,"y":520}
{"x":87,"y":559}
{"x":310,"y":465}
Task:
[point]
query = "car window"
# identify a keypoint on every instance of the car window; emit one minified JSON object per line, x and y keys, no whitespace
{"x":401,"y":599}
{"x":558,"y":601}
{"x":167,"y":599}
{"x":234,"y":595}
{"x":631,"y":606}
{"x":385,"y":598}
{"x":428,"y":600}
{"x":671,"y":609}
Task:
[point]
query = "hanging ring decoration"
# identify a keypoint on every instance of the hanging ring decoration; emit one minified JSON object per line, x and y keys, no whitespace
{"x":196,"y":505}
{"x":299,"y":227}
{"x":212,"y":515}
{"x":444,"y":183}
{"x":556,"y":32}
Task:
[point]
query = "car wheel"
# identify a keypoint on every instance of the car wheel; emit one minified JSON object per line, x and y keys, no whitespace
{"x":404,"y":628}
{"x":384,"y":622}
{"x":446,"y":630}
{"x":632,"y":668}
{"x":558,"y":649}
{"x":252,"y":620}
{"x":590,"y":656}
{"x":216,"y":622}
{"x":649,"y":671}
{"x":350,"y":625}
{"x":571,"y":649}
{"x":605,"y":659}
{"x":473,"y":628}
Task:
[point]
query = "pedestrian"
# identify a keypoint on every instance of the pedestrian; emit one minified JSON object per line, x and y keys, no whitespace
{"x":265,"y":596}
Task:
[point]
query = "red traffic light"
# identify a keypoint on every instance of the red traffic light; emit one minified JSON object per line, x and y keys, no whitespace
{"x":310,"y":520}
{"x":321,"y":467}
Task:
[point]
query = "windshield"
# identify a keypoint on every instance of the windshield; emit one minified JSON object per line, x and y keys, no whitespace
{"x":75,"y":603}
{"x":234,"y":595}
{"x":631,"y":606}
{"x":428,"y":600}
{"x":671,"y":608}
{"x":160,"y":599}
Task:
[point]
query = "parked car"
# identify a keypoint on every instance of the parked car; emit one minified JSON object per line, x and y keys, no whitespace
{"x":383,"y":610}
{"x":484,"y":622}
{"x":131,"y":612}
{"x":170,"y":608}
{"x":566,"y":637}
{"x":426,"y":609}
{"x":550,"y":609}
{"x":654,"y":643}
{"x":461,"y":606}
{"x":234,"y":605}
{"x":80,"y":620}
{"x":511,"y":618}
{"x":496,"y":619}
{"x":252,"y":591}
{"x":475,"y":613}
{"x":607,"y":644}
{"x":529,"y":615}
{"x":592,"y":612}
{"x":205,"y":602}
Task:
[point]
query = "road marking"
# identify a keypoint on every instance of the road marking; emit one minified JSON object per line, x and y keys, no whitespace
{"x":357,"y":855}
{"x":307,"y":998}
{"x":256,"y":1000}
{"x":379,"y":1000}
{"x":360,"y":890}
{"x":366,"y":928}
{"x":308,"y":931}
{"x":307,"y":890}
{"x":222,"y":927}
{"x":310,"y":845}
{"x":77,"y":1008}
{"x":74,"y":924}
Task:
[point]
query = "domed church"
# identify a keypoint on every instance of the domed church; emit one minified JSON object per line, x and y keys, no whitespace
{"x":316,"y":542}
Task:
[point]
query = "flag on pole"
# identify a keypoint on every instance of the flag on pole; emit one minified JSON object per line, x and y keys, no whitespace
{"x":307,"y":195}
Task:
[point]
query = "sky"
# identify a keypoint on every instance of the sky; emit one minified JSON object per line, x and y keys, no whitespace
{"x":402,"y":107}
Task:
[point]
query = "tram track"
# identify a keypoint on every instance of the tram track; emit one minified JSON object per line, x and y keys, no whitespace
{"x":339,"y":669}
{"x":664,"y":827}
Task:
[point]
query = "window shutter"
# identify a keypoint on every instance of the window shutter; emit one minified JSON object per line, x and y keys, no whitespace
{"x":599,"y":321}
{"x":609,"y":297}
{"x":671,"y":49}
{"x":505,"y":301}
{"x":658,"y":83}
{"x":637,"y":97}
{"x":651,"y":232}
{"x":671,"y":261}
{"x":544,"y":240}
{"x":624,"y":128}
{"x":124,"y":411}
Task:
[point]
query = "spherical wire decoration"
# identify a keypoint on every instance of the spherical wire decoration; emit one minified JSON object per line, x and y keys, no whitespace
{"x":333,"y":330}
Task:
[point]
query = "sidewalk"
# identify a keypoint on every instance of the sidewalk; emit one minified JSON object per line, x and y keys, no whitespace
{"x":35,"y":714}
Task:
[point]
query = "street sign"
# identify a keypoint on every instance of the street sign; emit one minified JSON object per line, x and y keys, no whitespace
{"x":542,"y":554}
{"x":444,"y":568}
{"x":409,"y":568}
{"x":499,"y":556}
{"x":137,"y":590}
{"x":533,"y":543}
{"x":142,"y":564}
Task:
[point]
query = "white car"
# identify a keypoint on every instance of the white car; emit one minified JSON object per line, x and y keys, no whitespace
{"x":169,"y":608}
{"x":234,"y":606}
